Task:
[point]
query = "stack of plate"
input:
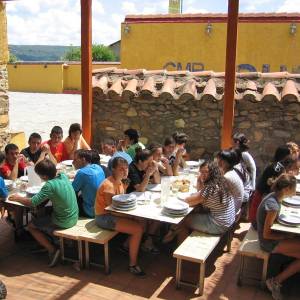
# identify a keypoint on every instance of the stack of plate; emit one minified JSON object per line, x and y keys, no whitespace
{"x":124,"y":202}
{"x":33,"y":190}
{"x":292,"y":201}
{"x":289,"y":219}
{"x":9,"y":184}
{"x":175,"y":208}
{"x":67,"y":163}
{"x":192,"y":164}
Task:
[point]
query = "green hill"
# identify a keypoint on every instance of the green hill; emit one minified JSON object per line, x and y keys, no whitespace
{"x":38,"y":52}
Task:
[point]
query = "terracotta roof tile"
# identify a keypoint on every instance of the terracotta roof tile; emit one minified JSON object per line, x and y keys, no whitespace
{"x":182,"y":85}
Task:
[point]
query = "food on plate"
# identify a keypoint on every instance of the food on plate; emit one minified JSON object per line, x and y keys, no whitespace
{"x":182,"y":185}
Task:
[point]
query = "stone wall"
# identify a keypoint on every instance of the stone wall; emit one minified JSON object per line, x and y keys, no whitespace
{"x":267,"y":123}
{"x":4,"y":103}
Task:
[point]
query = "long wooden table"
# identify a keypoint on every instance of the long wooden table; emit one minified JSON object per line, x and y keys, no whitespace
{"x":151,"y":210}
{"x":288,"y":229}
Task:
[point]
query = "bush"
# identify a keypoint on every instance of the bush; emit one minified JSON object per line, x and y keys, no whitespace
{"x":99,"y":53}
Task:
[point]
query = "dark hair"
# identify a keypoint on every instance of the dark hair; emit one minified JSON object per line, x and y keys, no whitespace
{"x":2,"y":157}
{"x":46,"y":168}
{"x":56,"y":130}
{"x":9,"y":147}
{"x":284,"y":181}
{"x":34,"y":135}
{"x":132,"y":134}
{"x":204,"y":164}
{"x":281,"y":153}
{"x":118,"y":161}
{"x":169,"y":141}
{"x":153,"y":147}
{"x":141,"y":155}
{"x":216,"y":180}
{"x":109,"y":141}
{"x":75,"y":127}
{"x":180,"y":138}
{"x":242,"y":140}
{"x":232,"y":157}
{"x":86,"y":154}
{"x":95,"y":158}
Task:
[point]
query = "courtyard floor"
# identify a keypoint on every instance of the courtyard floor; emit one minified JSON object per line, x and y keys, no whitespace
{"x":27,"y":276}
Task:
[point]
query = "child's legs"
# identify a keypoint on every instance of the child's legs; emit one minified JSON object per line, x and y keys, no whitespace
{"x":135,"y":230}
{"x":289,"y":248}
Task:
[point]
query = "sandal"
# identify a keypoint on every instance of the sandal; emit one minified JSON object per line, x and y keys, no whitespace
{"x":137,"y":271}
{"x":170,"y":236}
{"x":150,"y":249}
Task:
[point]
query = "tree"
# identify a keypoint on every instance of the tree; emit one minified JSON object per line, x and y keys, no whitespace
{"x":12,"y":58}
{"x":99,"y":53}
{"x":73,"y":54}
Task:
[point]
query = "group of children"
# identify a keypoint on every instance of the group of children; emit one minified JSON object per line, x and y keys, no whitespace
{"x":224,"y":185}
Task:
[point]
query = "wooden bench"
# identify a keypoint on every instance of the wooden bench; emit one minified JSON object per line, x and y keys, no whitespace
{"x":195,"y":248}
{"x":91,"y":233}
{"x":250,"y":248}
{"x":86,"y":231}
{"x":72,"y":234}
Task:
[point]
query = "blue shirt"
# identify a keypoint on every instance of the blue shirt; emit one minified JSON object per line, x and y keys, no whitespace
{"x":3,"y":189}
{"x":119,"y":154}
{"x":87,"y":180}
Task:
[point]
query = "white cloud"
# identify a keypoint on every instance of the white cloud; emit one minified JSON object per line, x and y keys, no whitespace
{"x":290,"y":6}
{"x":128,"y":7}
{"x":193,"y":10}
{"x":97,"y":8}
{"x":256,"y":5}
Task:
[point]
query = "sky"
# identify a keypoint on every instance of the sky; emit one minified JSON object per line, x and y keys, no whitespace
{"x":57,"y":22}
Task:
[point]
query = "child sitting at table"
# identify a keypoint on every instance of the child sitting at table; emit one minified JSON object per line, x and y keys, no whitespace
{"x":3,"y":189}
{"x":218,"y":208}
{"x":275,"y":242}
{"x":111,"y":186}
{"x":60,"y":192}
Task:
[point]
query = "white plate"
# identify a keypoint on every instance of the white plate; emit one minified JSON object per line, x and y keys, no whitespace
{"x":295,"y":200}
{"x":176,"y":205}
{"x":68,"y":163}
{"x":183,"y":196}
{"x":24,"y":178}
{"x":192,"y":163}
{"x":123,"y":198}
{"x":124,"y":208}
{"x":104,"y":158}
{"x":33,"y":190}
{"x":8,"y":182}
{"x":286,"y":224}
{"x":290,"y":219}
{"x":154,"y":187}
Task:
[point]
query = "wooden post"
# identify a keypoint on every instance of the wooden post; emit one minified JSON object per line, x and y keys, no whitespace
{"x":86,"y":68}
{"x":228,"y":109}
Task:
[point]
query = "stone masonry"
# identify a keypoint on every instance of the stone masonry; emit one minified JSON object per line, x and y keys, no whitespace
{"x":4,"y":104}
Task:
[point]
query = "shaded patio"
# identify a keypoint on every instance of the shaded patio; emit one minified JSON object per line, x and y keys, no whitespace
{"x":27,"y":276}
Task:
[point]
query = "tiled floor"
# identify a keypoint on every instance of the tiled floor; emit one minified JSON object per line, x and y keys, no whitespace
{"x":27,"y":276}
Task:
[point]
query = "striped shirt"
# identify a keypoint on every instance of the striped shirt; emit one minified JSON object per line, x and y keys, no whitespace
{"x":236,"y":188}
{"x":222,"y":212}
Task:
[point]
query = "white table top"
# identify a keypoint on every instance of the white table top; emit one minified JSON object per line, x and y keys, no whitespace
{"x":288,"y":229}
{"x":152,"y":211}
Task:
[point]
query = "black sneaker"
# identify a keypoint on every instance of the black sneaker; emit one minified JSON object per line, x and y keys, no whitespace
{"x":53,"y":258}
{"x":137,"y":271}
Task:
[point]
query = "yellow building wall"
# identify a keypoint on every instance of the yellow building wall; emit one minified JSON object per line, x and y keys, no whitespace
{"x":3,"y":35}
{"x":48,"y":78}
{"x":43,"y":78}
{"x":174,"y":45}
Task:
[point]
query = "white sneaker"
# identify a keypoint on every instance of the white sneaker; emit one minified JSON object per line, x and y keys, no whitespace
{"x":274,"y":288}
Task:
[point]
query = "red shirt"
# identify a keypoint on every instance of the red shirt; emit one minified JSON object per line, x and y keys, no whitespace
{"x":58,"y":152}
{"x":7,"y":168}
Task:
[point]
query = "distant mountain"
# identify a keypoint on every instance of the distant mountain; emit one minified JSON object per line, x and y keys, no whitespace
{"x":38,"y":52}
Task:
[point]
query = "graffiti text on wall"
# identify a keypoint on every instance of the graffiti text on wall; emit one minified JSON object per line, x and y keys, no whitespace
{"x":198,"y":66}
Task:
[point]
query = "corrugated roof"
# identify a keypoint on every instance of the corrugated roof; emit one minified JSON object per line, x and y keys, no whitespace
{"x":184,"y":85}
